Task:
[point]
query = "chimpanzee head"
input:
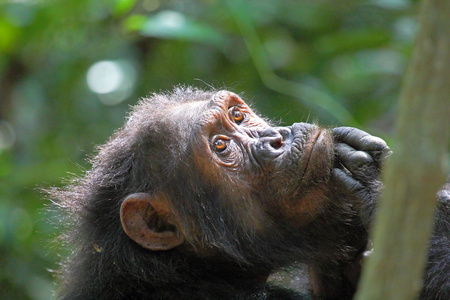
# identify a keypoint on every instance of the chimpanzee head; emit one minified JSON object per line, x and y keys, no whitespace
{"x":213,"y":170}
{"x":197,"y":178}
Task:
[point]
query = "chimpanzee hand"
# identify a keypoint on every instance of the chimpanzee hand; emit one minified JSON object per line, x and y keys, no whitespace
{"x":359,"y":156}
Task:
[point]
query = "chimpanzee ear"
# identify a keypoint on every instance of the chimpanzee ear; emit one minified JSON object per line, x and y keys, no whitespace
{"x":149,"y":221}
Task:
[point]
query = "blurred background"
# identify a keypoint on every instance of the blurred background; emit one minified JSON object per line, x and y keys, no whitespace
{"x":69,"y":70}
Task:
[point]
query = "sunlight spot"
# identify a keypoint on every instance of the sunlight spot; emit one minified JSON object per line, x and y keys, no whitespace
{"x":151,"y":5}
{"x":171,"y":19}
{"x":104,"y":77}
{"x":113,"y":81}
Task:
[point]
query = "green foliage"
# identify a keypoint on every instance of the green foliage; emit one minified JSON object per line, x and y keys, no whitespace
{"x":174,"y":25}
{"x":70,"y":69}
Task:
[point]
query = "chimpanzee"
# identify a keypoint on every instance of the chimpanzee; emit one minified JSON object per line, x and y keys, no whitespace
{"x":437,"y":273}
{"x":197,"y":197}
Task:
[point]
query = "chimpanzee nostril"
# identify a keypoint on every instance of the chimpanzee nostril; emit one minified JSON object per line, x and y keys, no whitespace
{"x":285,"y":132}
{"x":275,"y":137}
{"x":276,"y":143}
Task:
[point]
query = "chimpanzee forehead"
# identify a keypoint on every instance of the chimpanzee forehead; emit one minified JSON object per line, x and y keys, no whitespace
{"x":224,"y":99}
{"x":217,"y":107}
{"x":202,"y":111}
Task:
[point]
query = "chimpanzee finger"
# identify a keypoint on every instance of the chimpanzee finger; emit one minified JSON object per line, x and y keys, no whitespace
{"x":352,"y":159}
{"x":359,"y":139}
{"x":350,"y":184}
{"x":354,"y":187}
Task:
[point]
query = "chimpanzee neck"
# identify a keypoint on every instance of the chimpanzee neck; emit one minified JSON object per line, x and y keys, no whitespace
{"x":224,"y":272}
{"x":177,"y":277}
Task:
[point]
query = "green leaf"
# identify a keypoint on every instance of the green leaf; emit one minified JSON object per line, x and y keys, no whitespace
{"x":134,"y":22}
{"x":173,"y":25}
{"x":9,"y":35}
{"x":121,"y":7}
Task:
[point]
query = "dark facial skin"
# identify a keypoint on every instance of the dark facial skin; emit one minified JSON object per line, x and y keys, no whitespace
{"x":236,"y":143}
{"x":198,"y":197}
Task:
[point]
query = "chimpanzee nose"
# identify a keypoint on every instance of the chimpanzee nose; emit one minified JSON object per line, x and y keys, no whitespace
{"x":271,"y":137}
{"x":270,"y":144}
{"x":286,"y":133}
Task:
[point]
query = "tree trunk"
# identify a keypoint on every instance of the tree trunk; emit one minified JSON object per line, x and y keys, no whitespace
{"x":416,"y":170}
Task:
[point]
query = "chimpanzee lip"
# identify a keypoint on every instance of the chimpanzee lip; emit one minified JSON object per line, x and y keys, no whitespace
{"x":315,"y":140}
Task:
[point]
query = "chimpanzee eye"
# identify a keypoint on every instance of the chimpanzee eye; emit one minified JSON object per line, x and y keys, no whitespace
{"x":238,"y":116}
{"x":220,"y":145}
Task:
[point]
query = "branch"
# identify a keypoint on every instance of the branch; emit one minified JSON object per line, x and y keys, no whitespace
{"x":416,"y":170}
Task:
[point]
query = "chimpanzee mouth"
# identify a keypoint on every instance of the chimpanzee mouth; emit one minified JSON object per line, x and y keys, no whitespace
{"x":311,"y":150}
{"x":303,"y":137}
{"x":311,"y":153}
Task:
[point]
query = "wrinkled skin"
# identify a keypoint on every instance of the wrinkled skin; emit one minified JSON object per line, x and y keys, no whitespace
{"x":197,"y":197}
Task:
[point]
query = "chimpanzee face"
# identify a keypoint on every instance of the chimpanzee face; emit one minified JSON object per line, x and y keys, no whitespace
{"x":230,"y":161}
{"x":277,"y":163}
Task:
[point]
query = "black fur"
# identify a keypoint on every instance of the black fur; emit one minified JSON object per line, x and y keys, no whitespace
{"x":224,"y":256}
{"x":437,"y":273}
